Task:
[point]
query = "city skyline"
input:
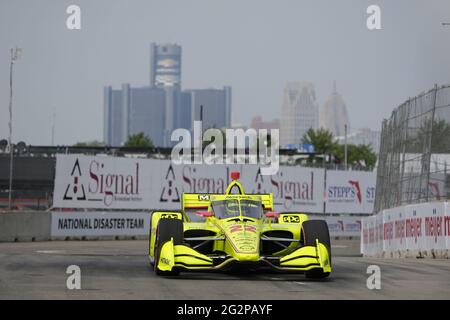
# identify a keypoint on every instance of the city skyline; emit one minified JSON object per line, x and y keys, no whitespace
{"x":63,"y":71}
{"x":162,"y":107}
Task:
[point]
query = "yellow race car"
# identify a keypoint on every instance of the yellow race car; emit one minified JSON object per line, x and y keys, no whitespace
{"x":235,"y":229}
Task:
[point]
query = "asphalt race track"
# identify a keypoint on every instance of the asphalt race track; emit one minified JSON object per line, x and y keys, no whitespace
{"x":120,"y":270}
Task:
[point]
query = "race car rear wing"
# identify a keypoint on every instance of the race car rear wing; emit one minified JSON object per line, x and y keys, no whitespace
{"x":200,"y":201}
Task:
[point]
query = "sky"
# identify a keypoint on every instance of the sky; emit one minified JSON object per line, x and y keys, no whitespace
{"x":254,"y":46}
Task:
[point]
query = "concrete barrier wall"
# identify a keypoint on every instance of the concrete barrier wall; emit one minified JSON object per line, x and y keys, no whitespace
{"x":417,"y":230}
{"x":25,"y":226}
{"x":44,"y":226}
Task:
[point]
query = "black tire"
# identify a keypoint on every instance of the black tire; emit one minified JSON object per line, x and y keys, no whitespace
{"x":312,"y":230}
{"x":152,"y":261}
{"x":167,"y":229}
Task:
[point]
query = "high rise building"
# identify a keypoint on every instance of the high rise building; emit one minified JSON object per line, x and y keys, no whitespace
{"x":165,"y":73}
{"x":132,"y":110}
{"x":216,"y":107}
{"x":147,"y":113}
{"x":165,"y":65}
{"x":162,"y":107}
{"x":333,"y":115}
{"x":114,"y":117}
{"x":299,"y":112}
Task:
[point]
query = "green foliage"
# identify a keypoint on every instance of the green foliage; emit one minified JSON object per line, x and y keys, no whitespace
{"x":440,"y":139}
{"x":93,"y":143}
{"x":420,"y":138}
{"x":324,"y":143}
{"x":356,"y":153}
{"x":322,"y":140}
{"x":139,"y":140}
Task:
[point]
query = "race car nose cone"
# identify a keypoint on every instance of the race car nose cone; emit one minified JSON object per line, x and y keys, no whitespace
{"x":247,"y":257}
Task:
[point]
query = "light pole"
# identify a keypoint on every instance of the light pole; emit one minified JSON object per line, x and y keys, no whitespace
{"x":15,"y":54}
{"x":53,"y":129}
{"x":345,"y":146}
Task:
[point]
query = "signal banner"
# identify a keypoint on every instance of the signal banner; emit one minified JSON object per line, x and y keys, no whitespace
{"x":293,"y":188}
{"x":131,"y":183}
{"x":350,"y":191}
{"x":99,"y":182}
{"x":77,"y":224}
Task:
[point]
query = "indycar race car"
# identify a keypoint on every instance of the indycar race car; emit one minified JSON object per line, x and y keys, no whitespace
{"x":235,"y":229}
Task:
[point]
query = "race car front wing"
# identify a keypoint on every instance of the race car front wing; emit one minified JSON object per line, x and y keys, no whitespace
{"x":303,"y":259}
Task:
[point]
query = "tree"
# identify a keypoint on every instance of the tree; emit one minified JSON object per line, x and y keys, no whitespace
{"x":440,"y":142}
{"x":139,"y":140}
{"x":356,"y":154}
{"x":322,"y":140}
{"x":92,"y":143}
{"x":324,"y":143}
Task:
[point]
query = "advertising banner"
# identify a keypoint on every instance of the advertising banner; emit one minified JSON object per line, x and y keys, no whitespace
{"x":415,"y":227}
{"x":369,"y":235}
{"x":100,"y":182}
{"x":99,"y":224}
{"x":447,"y":225}
{"x":432,"y":225}
{"x":350,"y":191}
{"x":394,"y":229}
{"x":130,"y":183}
{"x":294,"y":188}
{"x":343,"y":226}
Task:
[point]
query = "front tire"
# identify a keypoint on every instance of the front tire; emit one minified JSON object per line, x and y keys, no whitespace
{"x":312,"y":230}
{"x":167,"y":229}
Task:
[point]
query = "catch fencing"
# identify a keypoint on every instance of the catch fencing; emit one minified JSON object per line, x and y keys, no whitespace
{"x":415,"y":152}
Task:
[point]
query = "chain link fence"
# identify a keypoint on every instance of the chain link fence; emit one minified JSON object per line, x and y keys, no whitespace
{"x":415,"y":151}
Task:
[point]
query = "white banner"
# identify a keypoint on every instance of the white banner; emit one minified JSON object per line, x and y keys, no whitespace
{"x":99,"y":224}
{"x":343,"y":226}
{"x":294,"y":188}
{"x":394,"y":228}
{"x":101,"y":182}
{"x":350,"y":191}
{"x":125,"y":183}
{"x":433,"y":231}
{"x":417,"y":227}
{"x":367,"y":235}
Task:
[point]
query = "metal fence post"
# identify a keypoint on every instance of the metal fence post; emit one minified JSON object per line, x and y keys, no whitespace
{"x":430,"y":142}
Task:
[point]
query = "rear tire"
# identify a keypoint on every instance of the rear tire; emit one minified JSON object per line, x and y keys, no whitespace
{"x":167,"y":229}
{"x":312,"y":230}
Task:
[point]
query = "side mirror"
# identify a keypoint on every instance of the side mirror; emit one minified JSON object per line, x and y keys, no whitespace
{"x":272,"y":214}
{"x":205,"y":214}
